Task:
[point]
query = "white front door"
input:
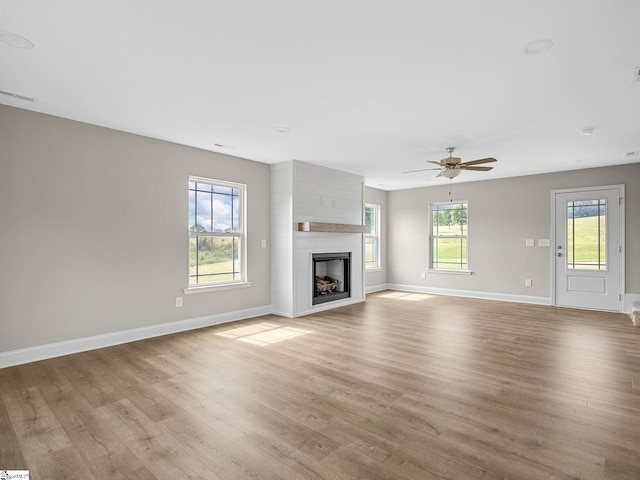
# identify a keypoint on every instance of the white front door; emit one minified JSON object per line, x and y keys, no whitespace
{"x":588,"y":248}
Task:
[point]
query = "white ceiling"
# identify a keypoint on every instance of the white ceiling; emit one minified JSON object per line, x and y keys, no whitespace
{"x":372,"y":87}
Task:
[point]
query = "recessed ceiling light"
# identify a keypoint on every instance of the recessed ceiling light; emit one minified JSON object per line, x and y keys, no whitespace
{"x":222,"y":145}
{"x":538,"y":46}
{"x":282,"y":129}
{"x":15,"y":40}
{"x":586,"y":131}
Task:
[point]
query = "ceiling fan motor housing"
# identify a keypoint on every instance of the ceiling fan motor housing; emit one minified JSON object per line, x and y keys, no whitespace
{"x":451,"y":160}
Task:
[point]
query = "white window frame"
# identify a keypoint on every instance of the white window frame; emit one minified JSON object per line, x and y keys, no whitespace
{"x":240,"y":236}
{"x":432,"y":235}
{"x":376,"y":237}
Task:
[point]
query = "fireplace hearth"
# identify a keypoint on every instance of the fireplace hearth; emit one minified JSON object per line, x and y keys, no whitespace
{"x":331,"y":276}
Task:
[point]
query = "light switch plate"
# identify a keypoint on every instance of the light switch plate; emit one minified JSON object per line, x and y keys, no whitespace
{"x":544,"y":242}
{"x":529,"y":242}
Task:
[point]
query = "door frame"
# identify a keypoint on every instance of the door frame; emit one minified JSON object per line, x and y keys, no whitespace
{"x":622,"y":256}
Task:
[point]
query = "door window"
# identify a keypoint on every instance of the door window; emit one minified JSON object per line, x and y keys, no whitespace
{"x":587,"y":235}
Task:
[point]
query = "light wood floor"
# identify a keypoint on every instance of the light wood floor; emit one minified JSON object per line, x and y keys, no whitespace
{"x":405,"y":386}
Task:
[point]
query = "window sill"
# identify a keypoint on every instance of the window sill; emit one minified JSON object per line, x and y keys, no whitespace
{"x":448,"y":272}
{"x":216,"y":288}
{"x":373,"y":269}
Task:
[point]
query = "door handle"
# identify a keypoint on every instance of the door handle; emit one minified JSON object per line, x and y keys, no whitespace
{"x":558,"y":254}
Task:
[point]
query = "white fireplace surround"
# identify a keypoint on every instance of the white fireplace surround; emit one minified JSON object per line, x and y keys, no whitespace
{"x":301,"y":192}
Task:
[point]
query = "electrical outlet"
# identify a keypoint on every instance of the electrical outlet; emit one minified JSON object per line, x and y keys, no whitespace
{"x":423,"y":275}
{"x":178,"y":302}
{"x":528,"y":282}
{"x":264,"y":243}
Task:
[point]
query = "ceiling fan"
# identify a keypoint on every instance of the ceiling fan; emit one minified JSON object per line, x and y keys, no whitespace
{"x":451,"y":166}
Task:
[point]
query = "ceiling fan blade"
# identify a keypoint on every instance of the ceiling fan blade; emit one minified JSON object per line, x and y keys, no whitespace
{"x":435,"y":163}
{"x":478,"y":162}
{"x":421,"y":170}
{"x":477,"y":169}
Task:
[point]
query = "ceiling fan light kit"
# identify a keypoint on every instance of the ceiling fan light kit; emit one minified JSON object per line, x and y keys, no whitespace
{"x":451,"y":173}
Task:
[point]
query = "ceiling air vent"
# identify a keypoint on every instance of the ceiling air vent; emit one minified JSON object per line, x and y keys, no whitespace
{"x":17,"y":96}
{"x":222,"y":145}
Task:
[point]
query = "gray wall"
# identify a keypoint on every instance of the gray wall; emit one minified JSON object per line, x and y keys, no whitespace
{"x":378,"y":278}
{"x":93,"y":230}
{"x":502,"y":214}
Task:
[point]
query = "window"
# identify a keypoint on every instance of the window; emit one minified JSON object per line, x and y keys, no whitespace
{"x":216,"y":232}
{"x":586,"y":235}
{"x":449,"y":236}
{"x":372,"y":238}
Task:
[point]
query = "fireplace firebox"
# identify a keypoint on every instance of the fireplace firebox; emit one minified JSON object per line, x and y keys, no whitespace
{"x":331,"y":276}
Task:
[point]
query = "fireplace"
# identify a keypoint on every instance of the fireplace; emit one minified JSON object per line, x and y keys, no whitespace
{"x":331,"y":276}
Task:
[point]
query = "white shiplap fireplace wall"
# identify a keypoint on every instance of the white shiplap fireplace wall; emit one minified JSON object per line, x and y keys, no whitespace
{"x":301,"y":192}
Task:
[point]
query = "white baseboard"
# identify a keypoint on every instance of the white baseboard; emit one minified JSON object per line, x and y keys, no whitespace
{"x":503,"y":297}
{"x":42,"y":352}
{"x":376,"y":288}
{"x":630,"y":299}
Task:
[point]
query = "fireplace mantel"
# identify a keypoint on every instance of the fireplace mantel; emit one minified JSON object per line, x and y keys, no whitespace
{"x":332,"y":227}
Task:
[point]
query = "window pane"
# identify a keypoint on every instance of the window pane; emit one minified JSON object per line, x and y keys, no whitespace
{"x":193,"y":260}
{"x":203,"y":212}
{"x":586,"y":234}
{"x":192,"y":210}
{"x":450,"y":253}
{"x":203,"y":187}
{"x":236,"y":258}
{"x":226,"y":212}
{"x":370,"y":218}
{"x":450,"y":219}
{"x":235,"y":212}
{"x":370,"y":251}
{"x":223,"y":190}
{"x":217,"y":259}
{"x":371,"y":238}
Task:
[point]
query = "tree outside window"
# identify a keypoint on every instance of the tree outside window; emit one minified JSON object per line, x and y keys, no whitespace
{"x":449,"y":236}
{"x":216,"y":232}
